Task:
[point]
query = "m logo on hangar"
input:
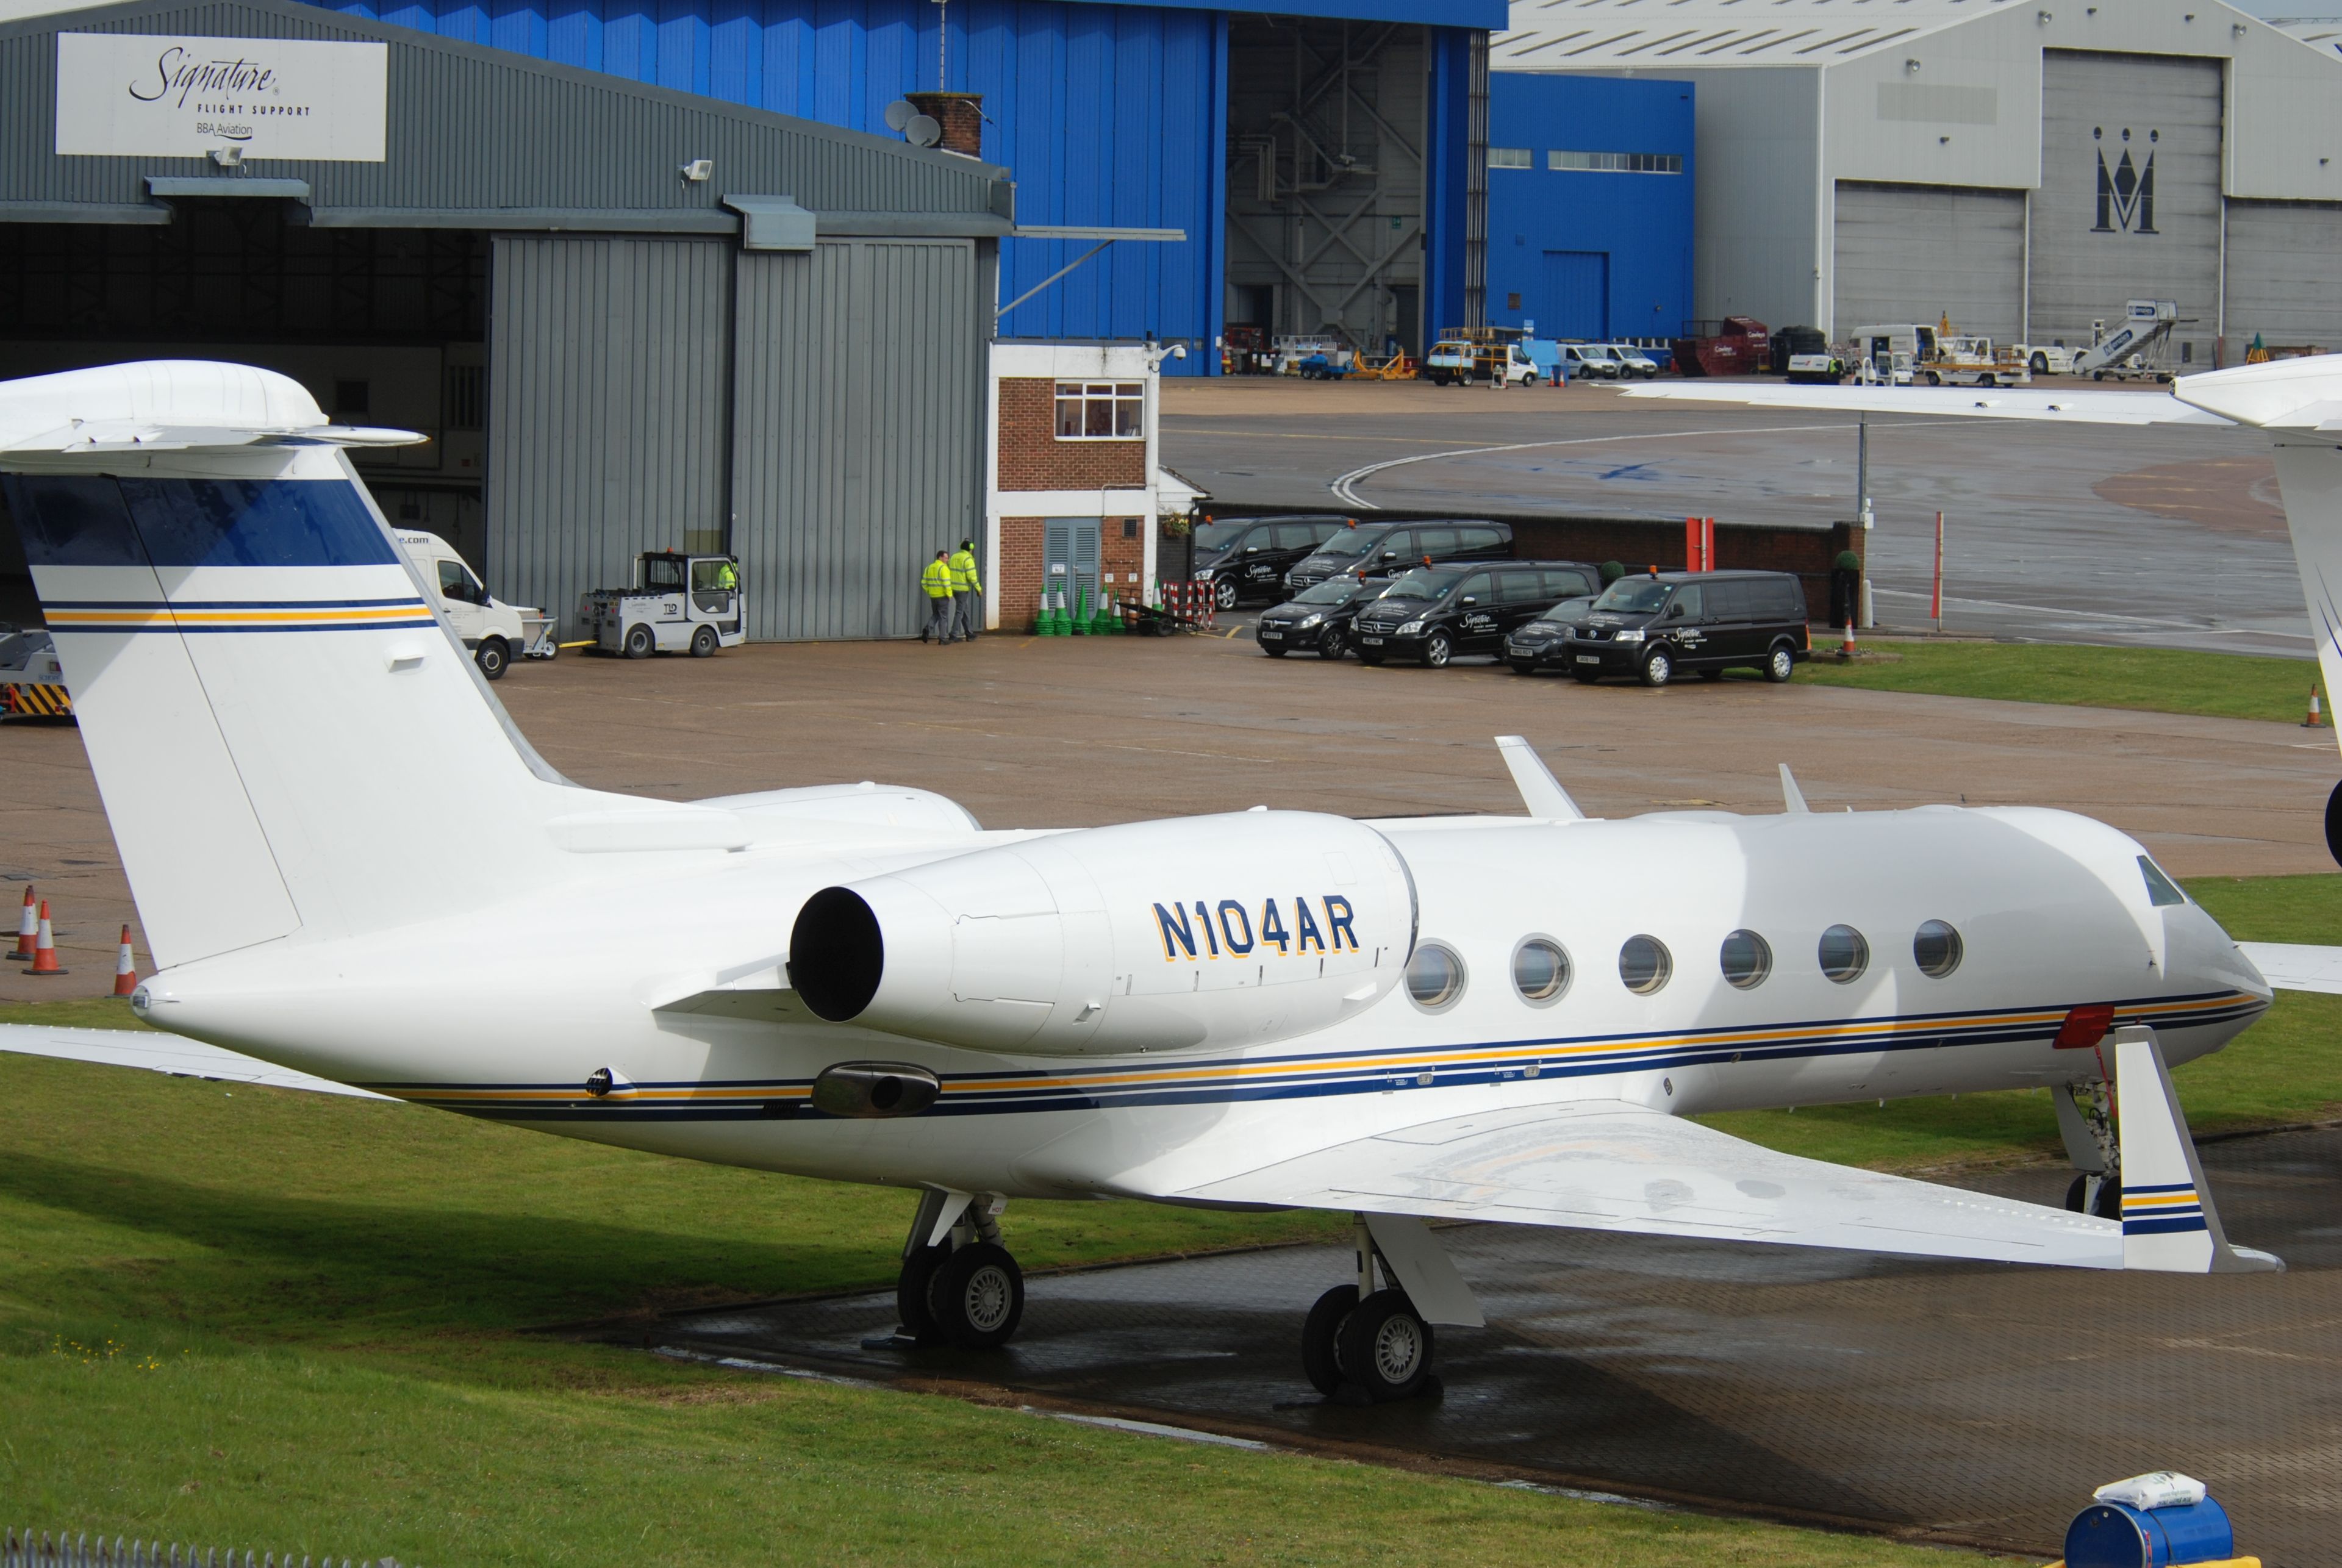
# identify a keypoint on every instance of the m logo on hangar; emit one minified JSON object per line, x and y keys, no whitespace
{"x":2126,"y":192}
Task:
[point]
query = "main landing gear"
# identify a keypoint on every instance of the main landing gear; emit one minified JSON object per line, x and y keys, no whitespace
{"x":2086,"y":1121}
{"x":964,"y":1289}
{"x":1364,"y":1345}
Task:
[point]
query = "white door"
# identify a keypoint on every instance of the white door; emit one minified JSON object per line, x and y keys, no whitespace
{"x":461,"y":597}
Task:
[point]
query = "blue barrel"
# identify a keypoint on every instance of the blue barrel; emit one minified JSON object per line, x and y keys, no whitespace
{"x":2116,"y":1535}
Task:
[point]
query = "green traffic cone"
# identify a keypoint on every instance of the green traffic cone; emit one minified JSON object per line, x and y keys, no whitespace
{"x":1081,"y":618}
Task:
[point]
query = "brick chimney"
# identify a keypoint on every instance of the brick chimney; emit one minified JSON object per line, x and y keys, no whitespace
{"x":961,"y":114}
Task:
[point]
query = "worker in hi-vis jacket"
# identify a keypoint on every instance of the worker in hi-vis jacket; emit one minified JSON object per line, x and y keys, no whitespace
{"x":967,"y":588}
{"x":936,"y":581}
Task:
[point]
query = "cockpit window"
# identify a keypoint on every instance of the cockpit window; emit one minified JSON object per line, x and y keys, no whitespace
{"x":2160,"y":889}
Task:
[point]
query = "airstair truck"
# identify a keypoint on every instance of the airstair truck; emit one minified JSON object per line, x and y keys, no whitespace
{"x":2135,"y":350}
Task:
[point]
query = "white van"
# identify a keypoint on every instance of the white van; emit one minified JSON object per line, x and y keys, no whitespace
{"x":495,"y":632}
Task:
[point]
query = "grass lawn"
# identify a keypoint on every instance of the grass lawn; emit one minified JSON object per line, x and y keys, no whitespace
{"x":279,"y":1318}
{"x":2157,"y":680}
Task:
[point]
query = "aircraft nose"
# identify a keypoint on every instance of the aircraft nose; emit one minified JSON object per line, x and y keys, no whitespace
{"x":2203,"y":957}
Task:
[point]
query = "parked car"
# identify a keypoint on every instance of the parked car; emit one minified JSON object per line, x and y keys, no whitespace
{"x":1384,"y":550}
{"x":1319,"y":618}
{"x":1434,"y":614}
{"x":1541,"y":644}
{"x":1633,"y":361}
{"x":1658,"y":626}
{"x":1590,"y":362}
{"x":1247,"y":558}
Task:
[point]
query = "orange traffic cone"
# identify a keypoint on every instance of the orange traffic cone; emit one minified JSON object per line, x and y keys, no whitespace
{"x":2316,"y":719}
{"x":125,"y":968}
{"x":45,"y":951}
{"x":28,"y":929}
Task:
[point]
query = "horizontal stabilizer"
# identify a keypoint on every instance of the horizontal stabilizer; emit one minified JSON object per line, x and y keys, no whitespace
{"x":2296,"y":966}
{"x":161,"y":1052}
{"x":1606,"y":1166}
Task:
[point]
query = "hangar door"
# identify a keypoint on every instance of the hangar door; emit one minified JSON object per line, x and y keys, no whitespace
{"x":1574,"y":295}
{"x":2283,"y":281}
{"x":2129,"y":206}
{"x":1919,"y":254}
{"x":854,"y":458}
{"x":607,"y":365}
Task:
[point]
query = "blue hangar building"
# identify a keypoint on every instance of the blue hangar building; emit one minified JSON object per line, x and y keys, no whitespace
{"x":1318,"y":161}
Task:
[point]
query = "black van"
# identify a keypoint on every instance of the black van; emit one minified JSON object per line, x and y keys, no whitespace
{"x":1435,"y":613}
{"x":1386,"y":549}
{"x":1658,"y":626}
{"x":1247,"y":558}
{"x":1319,"y":618}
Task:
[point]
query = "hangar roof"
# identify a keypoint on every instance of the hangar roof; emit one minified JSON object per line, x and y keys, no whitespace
{"x":1597,"y":35}
{"x":475,"y":138}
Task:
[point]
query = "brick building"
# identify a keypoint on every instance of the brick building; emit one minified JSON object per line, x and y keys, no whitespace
{"x":1076,"y":483}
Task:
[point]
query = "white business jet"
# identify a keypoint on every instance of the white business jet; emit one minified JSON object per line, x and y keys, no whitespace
{"x":350,"y":864}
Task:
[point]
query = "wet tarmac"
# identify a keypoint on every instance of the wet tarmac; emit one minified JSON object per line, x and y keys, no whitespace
{"x":1969,"y":1404}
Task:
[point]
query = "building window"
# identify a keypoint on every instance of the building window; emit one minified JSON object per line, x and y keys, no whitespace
{"x":1101,"y":410}
{"x":1612,"y":162}
{"x":1508,"y":157}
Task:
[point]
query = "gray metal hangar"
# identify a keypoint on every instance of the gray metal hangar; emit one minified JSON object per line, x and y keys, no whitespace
{"x":2023,"y":166}
{"x":630,"y":318}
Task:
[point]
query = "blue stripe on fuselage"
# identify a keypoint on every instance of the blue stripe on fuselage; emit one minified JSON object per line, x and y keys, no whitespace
{"x":100,"y":520}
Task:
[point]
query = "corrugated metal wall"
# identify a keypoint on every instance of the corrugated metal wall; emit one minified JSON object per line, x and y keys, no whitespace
{"x":1920,"y":253}
{"x":607,"y":408}
{"x":855,"y":455}
{"x":2285,"y":275}
{"x":470,"y":130}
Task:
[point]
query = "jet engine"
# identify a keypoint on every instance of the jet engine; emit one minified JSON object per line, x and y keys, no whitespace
{"x":1205,"y":931}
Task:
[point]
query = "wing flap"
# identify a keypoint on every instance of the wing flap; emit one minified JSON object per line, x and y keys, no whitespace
{"x":1611,"y":1166}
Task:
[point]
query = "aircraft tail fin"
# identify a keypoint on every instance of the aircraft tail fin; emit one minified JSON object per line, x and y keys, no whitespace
{"x":285,"y":737}
{"x":2170,"y":1225}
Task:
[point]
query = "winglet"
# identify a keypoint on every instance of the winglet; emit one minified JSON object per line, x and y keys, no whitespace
{"x":1541,"y":793}
{"x":2169,"y":1226}
{"x":1793,"y":799}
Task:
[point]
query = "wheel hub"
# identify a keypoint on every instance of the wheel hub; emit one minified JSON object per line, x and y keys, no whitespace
{"x":1398,"y":1350}
{"x":987,"y":1298}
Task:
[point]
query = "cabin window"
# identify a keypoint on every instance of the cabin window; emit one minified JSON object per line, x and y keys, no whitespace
{"x":1845,"y":953}
{"x":1747,"y":959}
{"x":1540,"y":970}
{"x":1643,"y":964}
{"x":1434,"y":977}
{"x":1935,"y":949}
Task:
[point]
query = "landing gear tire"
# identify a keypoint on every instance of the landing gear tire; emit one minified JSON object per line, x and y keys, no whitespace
{"x":911,"y":1290}
{"x":1384,"y":1347}
{"x":1319,"y":1335}
{"x":491,"y":656}
{"x":640,"y":643}
{"x":1658,"y":669}
{"x":1224,"y":593}
{"x":975,"y":1297}
{"x":1781,"y":664}
{"x":1332,"y":644}
{"x":1437,"y":651}
{"x":704,"y":643}
{"x":2334,"y":824}
{"x":2109,"y":1204}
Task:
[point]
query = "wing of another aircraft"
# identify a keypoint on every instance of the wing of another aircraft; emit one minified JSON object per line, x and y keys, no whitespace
{"x":2296,"y":966}
{"x":2070,"y":407}
{"x":1608,"y":1165}
{"x":161,"y":1052}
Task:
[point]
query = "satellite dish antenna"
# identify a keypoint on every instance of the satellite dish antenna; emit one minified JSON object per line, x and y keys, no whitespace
{"x":923,"y":131}
{"x":900,"y":113}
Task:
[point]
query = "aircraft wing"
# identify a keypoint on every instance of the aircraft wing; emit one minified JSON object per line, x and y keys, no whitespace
{"x":161,"y":1052}
{"x":2296,"y":966}
{"x":2070,"y":407}
{"x":1608,"y":1165}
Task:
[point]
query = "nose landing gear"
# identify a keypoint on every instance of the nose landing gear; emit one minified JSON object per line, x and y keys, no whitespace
{"x":1364,"y":1345}
{"x":2085,"y":1122}
{"x":966,"y":1290}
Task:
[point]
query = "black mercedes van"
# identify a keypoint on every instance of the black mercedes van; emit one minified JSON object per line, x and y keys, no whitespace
{"x":1385,"y":549}
{"x":1659,"y":626}
{"x":1247,"y":558}
{"x":1434,"y":614}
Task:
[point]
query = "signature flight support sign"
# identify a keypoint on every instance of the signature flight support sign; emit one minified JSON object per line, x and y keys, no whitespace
{"x":135,"y":95}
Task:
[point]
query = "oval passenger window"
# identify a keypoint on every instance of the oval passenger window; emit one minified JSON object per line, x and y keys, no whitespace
{"x":1540,"y":970}
{"x":1844,"y":953}
{"x":1643,"y":965}
{"x":1747,"y":959}
{"x":1935,"y":949}
{"x":1435,"y":976}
